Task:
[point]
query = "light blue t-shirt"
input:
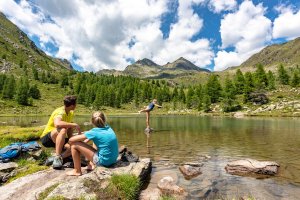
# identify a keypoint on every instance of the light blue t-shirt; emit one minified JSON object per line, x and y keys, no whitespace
{"x":106,"y":141}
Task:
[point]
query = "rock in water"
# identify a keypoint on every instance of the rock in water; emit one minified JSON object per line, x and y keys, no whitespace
{"x":252,"y":167}
{"x":167,"y":186}
{"x":190,"y":171}
{"x":149,"y":130}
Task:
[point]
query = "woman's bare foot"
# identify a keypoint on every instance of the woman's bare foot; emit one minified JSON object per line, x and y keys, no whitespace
{"x":73,"y":173}
{"x":91,"y":166}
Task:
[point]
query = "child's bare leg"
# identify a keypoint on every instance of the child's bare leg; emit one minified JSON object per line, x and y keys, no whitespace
{"x":77,"y":164}
{"x":148,"y":119}
{"x":80,"y":148}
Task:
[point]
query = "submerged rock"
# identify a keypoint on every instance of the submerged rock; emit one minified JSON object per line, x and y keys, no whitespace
{"x":190,"y":171}
{"x":168,"y":187}
{"x":252,"y":167}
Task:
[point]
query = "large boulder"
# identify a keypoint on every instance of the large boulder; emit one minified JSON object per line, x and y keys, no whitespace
{"x":252,"y":167}
{"x":70,"y":187}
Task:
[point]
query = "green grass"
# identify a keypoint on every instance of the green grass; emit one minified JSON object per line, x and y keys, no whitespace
{"x":165,"y":197}
{"x":46,"y":192}
{"x":125,"y":187}
{"x":9,"y":134}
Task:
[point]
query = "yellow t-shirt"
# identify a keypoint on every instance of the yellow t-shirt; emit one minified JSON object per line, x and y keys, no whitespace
{"x":61,"y":113}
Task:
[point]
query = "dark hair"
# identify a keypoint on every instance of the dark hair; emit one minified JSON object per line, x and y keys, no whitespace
{"x":70,"y":100}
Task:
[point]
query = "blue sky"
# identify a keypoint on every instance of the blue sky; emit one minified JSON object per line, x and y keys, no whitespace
{"x":111,"y":34}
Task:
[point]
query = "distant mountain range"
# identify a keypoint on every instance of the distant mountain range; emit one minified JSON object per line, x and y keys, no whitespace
{"x":146,"y":68}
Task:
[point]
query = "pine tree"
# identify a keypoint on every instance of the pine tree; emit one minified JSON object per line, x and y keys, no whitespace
{"x":22,"y":94}
{"x":181,"y":96}
{"x":249,"y":85}
{"x":283,"y":76}
{"x":271,"y":80}
{"x":261,"y":80}
{"x":213,"y":88}
{"x":206,"y":103}
{"x":9,"y":87}
{"x":229,"y":103}
{"x":295,"y":79}
{"x":2,"y":81}
{"x":239,"y":81}
{"x":189,"y":97}
{"x":34,"y":92}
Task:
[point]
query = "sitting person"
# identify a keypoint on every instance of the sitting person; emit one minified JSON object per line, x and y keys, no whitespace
{"x":58,"y":130}
{"x":148,"y":109}
{"x":104,"y":151}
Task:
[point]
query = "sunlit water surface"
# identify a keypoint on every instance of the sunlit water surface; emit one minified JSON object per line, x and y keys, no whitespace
{"x":179,"y":139}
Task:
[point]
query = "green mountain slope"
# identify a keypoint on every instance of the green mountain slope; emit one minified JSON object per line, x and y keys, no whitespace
{"x":18,"y":51}
{"x":272,"y":56}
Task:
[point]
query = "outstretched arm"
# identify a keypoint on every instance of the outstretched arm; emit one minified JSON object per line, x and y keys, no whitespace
{"x":159,"y":106}
{"x":78,"y":138}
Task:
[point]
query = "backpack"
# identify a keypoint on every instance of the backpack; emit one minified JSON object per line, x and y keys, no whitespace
{"x":11,"y":151}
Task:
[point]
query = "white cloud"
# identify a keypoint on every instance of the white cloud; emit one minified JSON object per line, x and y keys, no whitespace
{"x":98,"y":32}
{"x":225,"y":59}
{"x":247,"y":30}
{"x":218,"y":6}
{"x":286,"y":25}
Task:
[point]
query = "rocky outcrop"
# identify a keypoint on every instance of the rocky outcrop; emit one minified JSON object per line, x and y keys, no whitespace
{"x":252,"y":167}
{"x":32,"y":186}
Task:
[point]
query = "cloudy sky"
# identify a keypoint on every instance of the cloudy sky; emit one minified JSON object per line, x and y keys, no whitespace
{"x":111,"y":34}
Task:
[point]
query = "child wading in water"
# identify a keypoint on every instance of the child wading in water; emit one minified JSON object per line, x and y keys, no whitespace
{"x":105,"y":148}
{"x":147,"y":110}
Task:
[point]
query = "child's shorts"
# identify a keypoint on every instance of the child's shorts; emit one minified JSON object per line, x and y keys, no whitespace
{"x":96,"y":159}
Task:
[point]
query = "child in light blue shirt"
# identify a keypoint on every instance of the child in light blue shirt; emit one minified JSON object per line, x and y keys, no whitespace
{"x":104,"y":151}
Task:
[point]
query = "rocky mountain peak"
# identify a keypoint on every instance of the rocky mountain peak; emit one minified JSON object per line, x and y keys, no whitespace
{"x":146,"y":62}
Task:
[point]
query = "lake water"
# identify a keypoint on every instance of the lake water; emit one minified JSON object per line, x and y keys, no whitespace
{"x":180,"y":139}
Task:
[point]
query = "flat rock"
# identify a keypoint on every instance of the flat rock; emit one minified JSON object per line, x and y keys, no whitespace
{"x":190,"y":171}
{"x":70,"y":187}
{"x":150,"y":194}
{"x":168,"y":187}
{"x":8,"y":167}
{"x":252,"y":167}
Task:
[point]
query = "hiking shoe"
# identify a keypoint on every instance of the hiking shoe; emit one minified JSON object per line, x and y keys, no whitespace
{"x":49,"y":161}
{"x":57,"y":162}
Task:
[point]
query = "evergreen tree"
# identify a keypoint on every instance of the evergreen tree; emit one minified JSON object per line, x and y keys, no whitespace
{"x":181,"y":96}
{"x":229,"y":103}
{"x":2,"y":81}
{"x":249,"y":85}
{"x":283,"y":76}
{"x":189,"y":97}
{"x":22,"y":94}
{"x":295,"y":79}
{"x":206,"y":103}
{"x":34,"y":92}
{"x":271,"y":80}
{"x":64,"y":80}
{"x":239,"y":81}
{"x":261,"y":80}
{"x":175,"y":94}
{"x":9,"y":87}
{"x":213,"y":88}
